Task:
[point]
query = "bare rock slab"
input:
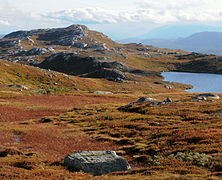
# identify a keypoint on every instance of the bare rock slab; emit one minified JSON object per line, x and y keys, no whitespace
{"x":96,"y":162}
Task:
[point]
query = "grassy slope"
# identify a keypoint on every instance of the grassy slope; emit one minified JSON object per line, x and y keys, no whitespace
{"x":146,"y":136}
{"x":96,"y":124}
{"x":76,"y":119}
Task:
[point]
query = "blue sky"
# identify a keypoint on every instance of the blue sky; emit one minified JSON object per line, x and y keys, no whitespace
{"x":117,"y":18}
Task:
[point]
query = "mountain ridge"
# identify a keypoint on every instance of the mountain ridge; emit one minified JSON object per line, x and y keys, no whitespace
{"x":208,"y":42}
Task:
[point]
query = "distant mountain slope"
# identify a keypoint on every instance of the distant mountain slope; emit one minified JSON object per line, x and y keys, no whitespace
{"x":202,"y":39}
{"x":178,"y":31}
{"x":203,"y":42}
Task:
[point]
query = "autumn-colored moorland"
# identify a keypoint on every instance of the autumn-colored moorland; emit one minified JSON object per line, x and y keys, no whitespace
{"x":59,"y":114}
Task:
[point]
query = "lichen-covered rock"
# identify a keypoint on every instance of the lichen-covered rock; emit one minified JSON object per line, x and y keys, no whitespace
{"x":109,"y":74}
{"x":80,"y":45}
{"x":18,"y":86}
{"x":144,"y":99}
{"x":214,"y":96}
{"x":66,"y":36}
{"x":23,"y":34}
{"x":96,"y":162}
{"x":39,"y":51}
{"x":36,"y":51}
{"x":199,"y":98}
{"x":140,"y":100}
{"x":10,"y":43}
{"x":102,"y":92}
{"x":99,"y":47}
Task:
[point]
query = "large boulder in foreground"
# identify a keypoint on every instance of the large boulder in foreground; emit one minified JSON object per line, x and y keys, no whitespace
{"x":96,"y":162}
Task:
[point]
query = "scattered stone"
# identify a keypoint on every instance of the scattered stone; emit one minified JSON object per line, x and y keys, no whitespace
{"x":159,"y":103}
{"x":214,"y":96}
{"x":99,"y":47}
{"x":10,"y":44}
{"x":80,"y":45}
{"x":168,"y":86}
{"x":117,"y":49}
{"x":109,"y":74}
{"x":39,"y":51}
{"x":96,"y":162}
{"x":146,"y":55}
{"x":168,"y":100}
{"x":36,"y":51}
{"x":102,"y":92}
{"x":18,"y":86}
{"x":143,"y":49}
{"x":199,"y":98}
{"x":144,"y":99}
{"x":140,"y":100}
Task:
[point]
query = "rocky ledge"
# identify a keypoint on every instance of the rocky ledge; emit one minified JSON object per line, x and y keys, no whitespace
{"x":94,"y":67}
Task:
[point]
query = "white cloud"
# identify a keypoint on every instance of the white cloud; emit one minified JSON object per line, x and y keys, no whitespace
{"x":184,"y":10}
{"x":98,"y":15}
{"x":168,"y":4}
{"x":159,"y":11}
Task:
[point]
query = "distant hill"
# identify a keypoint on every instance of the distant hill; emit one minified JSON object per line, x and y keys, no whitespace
{"x":178,"y":31}
{"x":203,"y":42}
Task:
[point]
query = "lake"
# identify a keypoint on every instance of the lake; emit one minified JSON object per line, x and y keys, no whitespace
{"x":202,"y":82}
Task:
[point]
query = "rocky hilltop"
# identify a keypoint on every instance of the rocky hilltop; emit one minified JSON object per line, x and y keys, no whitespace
{"x":78,"y":51}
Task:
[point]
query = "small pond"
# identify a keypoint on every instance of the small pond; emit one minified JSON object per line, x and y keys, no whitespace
{"x":202,"y":82}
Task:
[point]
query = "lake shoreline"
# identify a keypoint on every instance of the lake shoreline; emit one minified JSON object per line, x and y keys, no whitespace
{"x":201,"y":82}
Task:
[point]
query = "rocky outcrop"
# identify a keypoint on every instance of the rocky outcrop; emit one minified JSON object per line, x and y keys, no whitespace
{"x":18,"y":86}
{"x":94,"y":66}
{"x":109,"y":74}
{"x":10,"y":44}
{"x":99,"y":47}
{"x":80,"y":45}
{"x":24,"y":34}
{"x":96,"y":162}
{"x":148,"y":101}
{"x":208,"y":95}
{"x":69,"y":36}
{"x":200,"y":63}
{"x":102,"y":92}
{"x":140,"y":100}
{"x":35,"y":51}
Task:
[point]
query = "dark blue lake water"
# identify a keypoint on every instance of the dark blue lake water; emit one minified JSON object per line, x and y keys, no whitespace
{"x":202,"y":82}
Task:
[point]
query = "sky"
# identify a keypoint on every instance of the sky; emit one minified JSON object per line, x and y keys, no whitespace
{"x":117,"y":18}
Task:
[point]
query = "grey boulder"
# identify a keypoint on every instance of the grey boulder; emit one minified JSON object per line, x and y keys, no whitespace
{"x":96,"y":162}
{"x":102,"y":92}
{"x":214,"y":96}
{"x":18,"y":86}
